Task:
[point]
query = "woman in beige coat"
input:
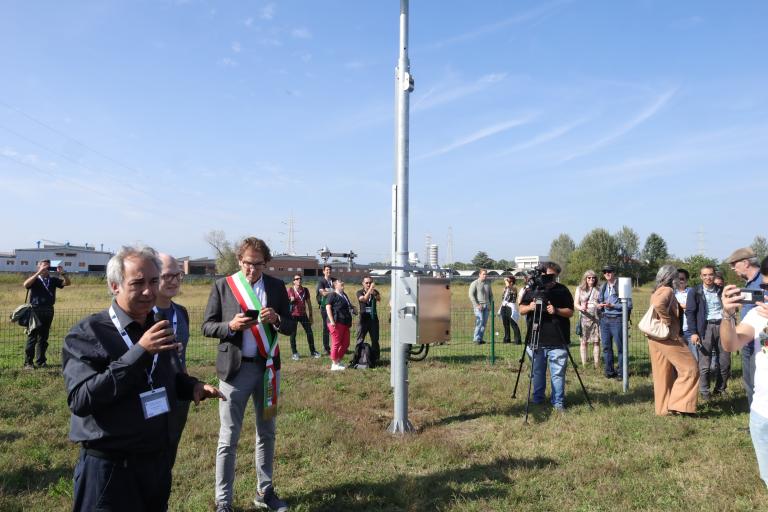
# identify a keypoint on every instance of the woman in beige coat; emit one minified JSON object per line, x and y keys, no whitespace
{"x":675,"y":373}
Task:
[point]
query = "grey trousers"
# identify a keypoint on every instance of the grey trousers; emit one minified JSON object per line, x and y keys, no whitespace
{"x":711,"y":353}
{"x":247,"y":384}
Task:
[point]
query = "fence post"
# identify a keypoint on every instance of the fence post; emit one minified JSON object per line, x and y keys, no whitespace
{"x":493,"y":332}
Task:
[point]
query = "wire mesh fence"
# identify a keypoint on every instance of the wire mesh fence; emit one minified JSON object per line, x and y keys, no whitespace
{"x":460,"y":349}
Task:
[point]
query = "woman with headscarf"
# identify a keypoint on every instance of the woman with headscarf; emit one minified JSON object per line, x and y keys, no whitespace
{"x":585,"y":302}
{"x":675,"y":372}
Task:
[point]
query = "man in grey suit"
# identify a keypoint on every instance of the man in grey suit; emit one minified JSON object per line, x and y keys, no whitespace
{"x":246,"y":311}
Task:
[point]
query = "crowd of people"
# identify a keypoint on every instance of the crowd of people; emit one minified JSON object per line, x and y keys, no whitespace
{"x":129,"y":389}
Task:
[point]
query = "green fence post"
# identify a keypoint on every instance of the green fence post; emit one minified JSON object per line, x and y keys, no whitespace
{"x":493,"y":333}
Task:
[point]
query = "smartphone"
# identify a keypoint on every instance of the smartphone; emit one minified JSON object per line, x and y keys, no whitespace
{"x":252,"y":313}
{"x":159,"y":316}
{"x":749,"y":296}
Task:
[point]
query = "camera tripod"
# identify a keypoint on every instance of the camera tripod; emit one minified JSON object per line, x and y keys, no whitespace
{"x":532,"y":343}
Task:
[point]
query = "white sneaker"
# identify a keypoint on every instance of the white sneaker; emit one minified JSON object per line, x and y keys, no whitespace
{"x":337,"y":367}
{"x":295,"y":357}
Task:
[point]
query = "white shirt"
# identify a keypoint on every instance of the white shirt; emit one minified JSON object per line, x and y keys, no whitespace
{"x":760,"y":396}
{"x":249,"y":341}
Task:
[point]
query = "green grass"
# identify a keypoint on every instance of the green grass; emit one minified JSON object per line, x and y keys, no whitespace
{"x":471,"y":452}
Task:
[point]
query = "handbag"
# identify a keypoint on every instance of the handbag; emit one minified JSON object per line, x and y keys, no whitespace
{"x":25,"y":316}
{"x":652,"y":326}
{"x":579,"y":330}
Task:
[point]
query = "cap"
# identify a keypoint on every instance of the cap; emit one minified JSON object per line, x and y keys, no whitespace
{"x":740,"y":254}
{"x":609,"y":268}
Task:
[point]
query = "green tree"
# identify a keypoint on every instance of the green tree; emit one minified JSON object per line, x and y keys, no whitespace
{"x":628,"y":244}
{"x":482,"y":260}
{"x":693,"y":265}
{"x":560,"y":250}
{"x":760,"y":246}
{"x":655,"y":251}
{"x":596,"y":249}
{"x":226,"y":259}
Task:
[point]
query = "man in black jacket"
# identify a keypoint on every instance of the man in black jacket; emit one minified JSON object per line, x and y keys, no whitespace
{"x":245,"y":311}
{"x":42,"y":295}
{"x":123,"y":382}
{"x":704,"y":312}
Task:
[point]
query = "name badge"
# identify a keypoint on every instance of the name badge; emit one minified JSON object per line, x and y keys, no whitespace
{"x":368,"y":310}
{"x":154,"y":402}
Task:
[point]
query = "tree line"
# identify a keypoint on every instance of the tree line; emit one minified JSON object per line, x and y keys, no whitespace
{"x":621,"y":249}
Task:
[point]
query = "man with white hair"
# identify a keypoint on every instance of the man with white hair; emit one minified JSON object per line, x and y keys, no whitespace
{"x":123,"y":380}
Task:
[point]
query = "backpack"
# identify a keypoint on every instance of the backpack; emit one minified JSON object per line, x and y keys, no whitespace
{"x":363,"y":358}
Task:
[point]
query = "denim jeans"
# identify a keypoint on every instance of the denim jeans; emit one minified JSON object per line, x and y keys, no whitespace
{"x":694,"y":350}
{"x":748,"y":370}
{"x":558,"y":362}
{"x":481,"y":317}
{"x":610,"y":332}
{"x":758,"y":429}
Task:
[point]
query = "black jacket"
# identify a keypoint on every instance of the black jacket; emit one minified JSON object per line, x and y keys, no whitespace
{"x":696,"y":309}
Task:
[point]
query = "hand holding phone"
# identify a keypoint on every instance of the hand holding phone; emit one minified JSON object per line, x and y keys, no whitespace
{"x":750,"y":296}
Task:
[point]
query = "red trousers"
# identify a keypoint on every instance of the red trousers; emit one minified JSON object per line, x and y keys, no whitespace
{"x":339,"y":340}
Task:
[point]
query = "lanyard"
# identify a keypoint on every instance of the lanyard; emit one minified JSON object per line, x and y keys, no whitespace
{"x":46,"y":284}
{"x":175,"y":316}
{"x":129,"y":343}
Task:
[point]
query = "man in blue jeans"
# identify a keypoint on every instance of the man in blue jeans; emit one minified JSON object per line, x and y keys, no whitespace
{"x":554,"y":334}
{"x":481,"y":296}
{"x":609,"y":308}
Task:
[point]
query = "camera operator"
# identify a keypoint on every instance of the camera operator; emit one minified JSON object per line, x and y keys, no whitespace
{"x":554,"y":332}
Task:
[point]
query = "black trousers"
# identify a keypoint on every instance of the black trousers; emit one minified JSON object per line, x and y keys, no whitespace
{"x":37,"y":340}
{"x":135,"y":483}
{"x":370,"y":326}
{"x":304,"y":321}
{"x":506,"y":318}
{"x":326,"y":333}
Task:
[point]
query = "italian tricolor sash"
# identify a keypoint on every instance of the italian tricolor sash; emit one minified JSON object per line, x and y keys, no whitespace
{"x":266,"y":340}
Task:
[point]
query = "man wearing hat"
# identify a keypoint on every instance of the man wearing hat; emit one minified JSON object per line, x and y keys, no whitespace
{"x":744,"y":262}
{"x":609,"y":308}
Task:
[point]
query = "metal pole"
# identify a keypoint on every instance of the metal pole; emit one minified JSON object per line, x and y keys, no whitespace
{"x":400,"y":423}
{"x":625,"y":345}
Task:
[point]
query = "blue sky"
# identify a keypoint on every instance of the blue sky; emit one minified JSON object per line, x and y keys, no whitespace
{"x":158,"y":121}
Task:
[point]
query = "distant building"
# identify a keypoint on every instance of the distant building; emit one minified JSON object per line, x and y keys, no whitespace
{"x":73,"y":258}
{"x":282,"y":266}
{"x":526,"y":262}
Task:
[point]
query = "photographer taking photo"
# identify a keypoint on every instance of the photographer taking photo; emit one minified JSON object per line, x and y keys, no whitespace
{"x":553,"y":329}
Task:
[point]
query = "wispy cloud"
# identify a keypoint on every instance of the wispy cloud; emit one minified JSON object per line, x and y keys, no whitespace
{"x":439,"y":94}
{"x":542,"y":138}
{"x":523,"y":17}
{"x":267,"y":12}
{"x":228,"y":62}
{"x":481,"y":134}
{"x":301,"y":33}
{"x":355,"y":64}
{"x":248,"y":22}
{"x":236,"y":47}
{"x":643,"y":116}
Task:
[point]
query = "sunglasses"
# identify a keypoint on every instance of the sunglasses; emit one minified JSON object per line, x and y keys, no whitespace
{"x":297,"y":279}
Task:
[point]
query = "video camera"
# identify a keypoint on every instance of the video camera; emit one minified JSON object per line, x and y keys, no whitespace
{"x":539,"y":280}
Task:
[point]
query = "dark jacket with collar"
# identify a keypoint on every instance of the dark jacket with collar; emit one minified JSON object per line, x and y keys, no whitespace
{"x":222,"y":307}
{"x":696,"y":309}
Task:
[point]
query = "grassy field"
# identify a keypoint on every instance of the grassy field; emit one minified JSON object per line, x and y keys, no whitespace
{"x":471,"y":453}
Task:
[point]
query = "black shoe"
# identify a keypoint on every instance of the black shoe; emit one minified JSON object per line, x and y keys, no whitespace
{"x":610,"y":375}
{"x":518,"y":342}
{"x":43,"y":365}
{"x":479,"y":342}
{"x":507,"y":341}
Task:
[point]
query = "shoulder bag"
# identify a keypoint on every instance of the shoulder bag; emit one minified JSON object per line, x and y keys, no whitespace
{"x":652,"y":326}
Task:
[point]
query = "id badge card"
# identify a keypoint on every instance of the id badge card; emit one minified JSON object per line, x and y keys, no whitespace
{"x":154,"y":402}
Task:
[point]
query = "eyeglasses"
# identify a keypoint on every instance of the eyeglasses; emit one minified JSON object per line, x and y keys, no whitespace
{"x":591,"y":278}
{"x":252,"y":263}
{"x":172,"y":277}
{"x":733,"y":263}
{"x":297,"y":279}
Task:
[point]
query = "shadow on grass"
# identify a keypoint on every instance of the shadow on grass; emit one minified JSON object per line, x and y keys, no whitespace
{"x":421,"y":492}
{"x":7,"y":437}
{"x":26,"y":479}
